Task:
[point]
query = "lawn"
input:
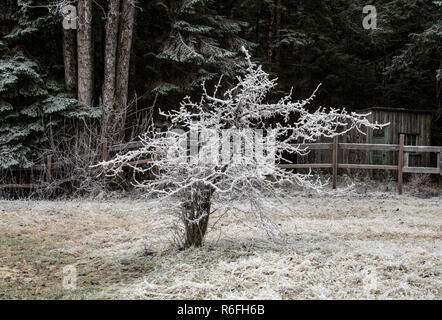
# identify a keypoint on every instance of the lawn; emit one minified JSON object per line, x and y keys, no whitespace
{"x":376,"y":246}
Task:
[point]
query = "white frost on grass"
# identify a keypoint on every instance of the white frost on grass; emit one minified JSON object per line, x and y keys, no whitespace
{"x":300,"y":270}
{"x":379,"y":246}
{"x":387,"y":254}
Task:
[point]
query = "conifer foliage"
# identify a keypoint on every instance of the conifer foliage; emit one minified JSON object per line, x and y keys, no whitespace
{"x":199,"y":43}
{"x":33,"y":101}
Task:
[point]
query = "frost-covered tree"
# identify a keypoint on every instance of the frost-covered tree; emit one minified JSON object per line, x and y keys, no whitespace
{"x":220,"y":153}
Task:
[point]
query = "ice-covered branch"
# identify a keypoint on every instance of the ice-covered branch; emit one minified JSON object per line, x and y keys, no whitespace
{"x":221,"y":153}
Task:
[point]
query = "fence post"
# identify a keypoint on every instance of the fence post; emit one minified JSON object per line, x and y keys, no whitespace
{"x":335,"y":161}
{"x":401,"y":163}
{"x":157,"y":168}
{"x":104,"y":150}
{"x":439,"y":162}
{"x":49,"y":169}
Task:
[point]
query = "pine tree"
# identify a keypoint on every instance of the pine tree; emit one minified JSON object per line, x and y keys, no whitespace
{"x":416,"y":67}
{"x":34,"y":102}
{"x":192,"y":41}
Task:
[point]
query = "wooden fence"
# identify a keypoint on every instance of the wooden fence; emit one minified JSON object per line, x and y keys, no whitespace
{"x":401,"y":167}
{"x":334,"y":147}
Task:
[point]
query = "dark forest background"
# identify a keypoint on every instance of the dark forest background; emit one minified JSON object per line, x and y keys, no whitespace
{"x":56,"y":84}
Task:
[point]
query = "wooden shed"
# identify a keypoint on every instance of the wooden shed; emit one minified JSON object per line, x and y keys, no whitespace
{"x":415,"y":124}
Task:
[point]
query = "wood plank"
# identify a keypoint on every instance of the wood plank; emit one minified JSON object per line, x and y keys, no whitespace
{"x":316,"y":146}
{"x":369,"y":147}
{"x":104,"y":150}
{"x":49,"y":169}
{"x":367,"y":166}
{"x":321,"y":146}
{"x":422,"y":170}
{"x":401,"y":163}
{"x":24,"y":186}
{"x":305,"y":166}
{"x":39,"y":167}
{"x":104,"y":155}
{"x":126,"y":146}
{"x":439,"y":162}
{"x":58,"y":182}
{"x":335,"y":161}
{"x":422,"y":149}
{"x":135,"y":163}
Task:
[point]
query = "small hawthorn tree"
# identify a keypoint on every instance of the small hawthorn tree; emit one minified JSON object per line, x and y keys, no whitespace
{"x":221,"y":154}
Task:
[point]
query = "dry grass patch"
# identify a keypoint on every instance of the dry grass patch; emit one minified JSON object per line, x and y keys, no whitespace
{"x":354,"y":246}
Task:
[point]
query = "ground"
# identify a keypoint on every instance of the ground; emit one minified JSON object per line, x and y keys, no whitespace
{"x":375,"y":246}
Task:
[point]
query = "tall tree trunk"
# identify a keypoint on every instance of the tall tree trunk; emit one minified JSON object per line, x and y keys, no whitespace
{"x":127,"y":22}
{"x":278,"y":31}
{"x":124,"y":50}
{"x":271,"y":35}
{"x":85,"y":53}
{"x":110,"y":58}
{"x":70,"y":67}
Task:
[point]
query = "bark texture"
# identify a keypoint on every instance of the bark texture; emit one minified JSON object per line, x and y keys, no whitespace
{"x":195,"y":216}
{"x":85,"y":53}
{"x":270,"y":40}
{"x":124,"y":51}
{"x":70,"y":65}
{"x":110,"y":58}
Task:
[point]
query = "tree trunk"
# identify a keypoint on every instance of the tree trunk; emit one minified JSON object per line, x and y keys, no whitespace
{"x":110,"y":58}
{"x":124,"y":50}
{"x":195,"y":216}
{"x":85,"y":53}
{"x":278,"y":32}
{"x":70,"y":67}
{"x":270,"y":36}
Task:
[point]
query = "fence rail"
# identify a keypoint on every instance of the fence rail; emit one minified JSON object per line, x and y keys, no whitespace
{"x":335,"y":146}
